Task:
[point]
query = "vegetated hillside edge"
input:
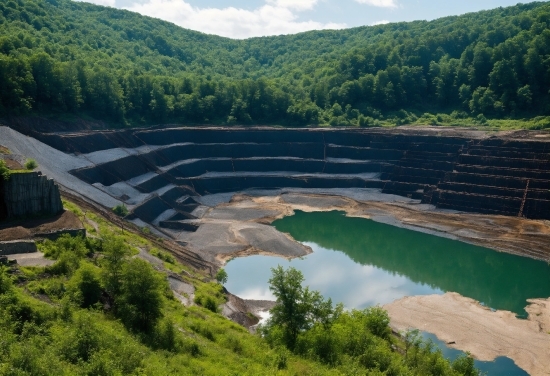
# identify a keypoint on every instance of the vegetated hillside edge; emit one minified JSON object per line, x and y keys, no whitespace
{"x":59,"y":57}
{"x":100,"y":310}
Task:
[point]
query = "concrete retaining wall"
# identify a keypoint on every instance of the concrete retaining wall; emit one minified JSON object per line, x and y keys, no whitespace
{"x":16,"y":247}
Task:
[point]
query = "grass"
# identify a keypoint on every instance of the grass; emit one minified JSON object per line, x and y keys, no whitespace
{"x":207,"y":343}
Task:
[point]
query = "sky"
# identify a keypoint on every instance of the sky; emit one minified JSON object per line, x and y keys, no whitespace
{"x":241,"y":19}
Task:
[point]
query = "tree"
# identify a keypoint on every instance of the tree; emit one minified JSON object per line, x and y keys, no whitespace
{"x":221,"y":276}
{"x":85,"y":286}
{"x":139,"y":303}
{"x":298,"y":308}
{"x":115,"y":252}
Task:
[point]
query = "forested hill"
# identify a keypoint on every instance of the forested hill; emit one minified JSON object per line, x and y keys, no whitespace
{"x":59,"y":56}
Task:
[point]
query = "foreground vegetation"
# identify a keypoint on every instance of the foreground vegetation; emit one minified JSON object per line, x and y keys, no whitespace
{"x":490,"y":68}
{"x":100,"y":310}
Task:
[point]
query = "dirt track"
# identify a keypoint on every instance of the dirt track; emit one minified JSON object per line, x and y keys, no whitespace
{"x":466,"y":325}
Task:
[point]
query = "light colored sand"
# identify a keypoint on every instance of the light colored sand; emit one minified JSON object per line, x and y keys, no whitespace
{"x":468,"y":326}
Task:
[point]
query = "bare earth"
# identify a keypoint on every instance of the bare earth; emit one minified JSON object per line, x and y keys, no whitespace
{"x":29,"y":228}
{"x":238,"y":228}
{"x":466,"y":325}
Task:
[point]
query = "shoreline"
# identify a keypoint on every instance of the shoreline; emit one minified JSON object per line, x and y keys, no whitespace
{"x":464,"y":324}
{"x":238,"y":224}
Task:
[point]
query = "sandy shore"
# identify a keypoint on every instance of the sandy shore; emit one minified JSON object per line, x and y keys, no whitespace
{"x":466,"y":325}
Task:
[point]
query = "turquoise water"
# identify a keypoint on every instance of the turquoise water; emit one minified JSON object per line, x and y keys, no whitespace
{"x":361,"y":263}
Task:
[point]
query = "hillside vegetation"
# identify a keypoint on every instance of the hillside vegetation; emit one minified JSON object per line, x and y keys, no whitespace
{"x":101,"y":310}
{"x":59,"y":57}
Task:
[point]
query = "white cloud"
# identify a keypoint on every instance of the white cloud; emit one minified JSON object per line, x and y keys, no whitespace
{"x":273,"y":18}
{"x":379,"y":3}
{"x":107,"y":3}
{"x":294,"y":4}
{"x":382,"y":22}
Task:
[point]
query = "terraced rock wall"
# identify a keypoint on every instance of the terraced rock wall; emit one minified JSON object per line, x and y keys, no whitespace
{"x":456,"y":170}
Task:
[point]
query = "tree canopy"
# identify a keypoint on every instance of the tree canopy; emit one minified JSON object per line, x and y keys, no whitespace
{"x":60,"y":56}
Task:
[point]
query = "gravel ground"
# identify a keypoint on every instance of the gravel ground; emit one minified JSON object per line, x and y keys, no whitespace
{"x":55,"y":165}
{"x":31,"y":259}
{"x":239,"y":214}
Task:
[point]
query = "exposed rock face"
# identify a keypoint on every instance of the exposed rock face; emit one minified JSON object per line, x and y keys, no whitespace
{"x":505,"y":173}
{"x":30,"y":194}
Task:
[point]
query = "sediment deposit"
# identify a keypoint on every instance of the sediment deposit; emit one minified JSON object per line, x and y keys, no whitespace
{"x":466,"y":325}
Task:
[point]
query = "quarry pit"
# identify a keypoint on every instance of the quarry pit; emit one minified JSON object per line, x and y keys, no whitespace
{"x":483,"y":187}
{"x":213,"y":192}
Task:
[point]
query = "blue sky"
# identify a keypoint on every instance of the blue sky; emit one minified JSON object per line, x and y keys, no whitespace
{"x":243,"y":19}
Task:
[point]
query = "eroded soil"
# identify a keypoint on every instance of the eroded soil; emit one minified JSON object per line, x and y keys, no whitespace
{"x":34,"y":227}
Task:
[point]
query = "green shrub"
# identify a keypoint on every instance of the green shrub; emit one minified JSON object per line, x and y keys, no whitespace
{"x":4,"y":170}
{"x":85,"y":286}
{"x":121,"y":210}
{"x":166,"y":336}
{"x":67,"y":250}
{"x":210,"y":296}
{"x":31,"y":164}
{"x":5,"y":280}
{"x":164,"y":256}
{"x":378,"y":322}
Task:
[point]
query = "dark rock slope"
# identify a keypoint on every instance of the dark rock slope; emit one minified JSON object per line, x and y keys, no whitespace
{"x":506,"y":174}
{"x":29,"y":194}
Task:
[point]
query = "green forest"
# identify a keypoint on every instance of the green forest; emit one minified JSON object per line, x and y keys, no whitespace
{"x":59,"y":57}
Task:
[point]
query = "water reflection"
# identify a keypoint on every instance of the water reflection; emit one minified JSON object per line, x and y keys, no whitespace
{"x":362,"y":263}
{"x":331,"y":272}
{"x":501,"y":366}
{"x":499,"y":280}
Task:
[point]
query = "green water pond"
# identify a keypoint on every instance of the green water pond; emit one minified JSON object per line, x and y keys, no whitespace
{"x":361,"y":263}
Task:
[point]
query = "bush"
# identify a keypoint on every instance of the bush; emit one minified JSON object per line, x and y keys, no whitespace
{"x":85,"y":286}
{"x":121,"y":210}
{"x":378,"y":322}
{"x":207,"y":302}
{"x":166,"y":257}
{"x":5,"y":280}
{"x":166,"y":336}
{"x":210,"y":296}
{"x":4,"y":170}
{"x":67,"y":250}
{"x":31,"y":164}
